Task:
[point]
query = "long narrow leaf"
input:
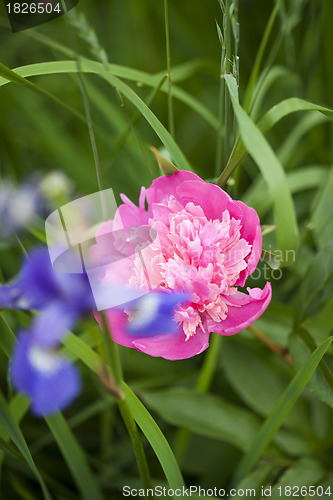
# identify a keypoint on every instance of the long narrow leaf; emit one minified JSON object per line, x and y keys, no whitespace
{"x":58,"y":67}
{"x":74,"y":457}
{"x":274,"y":175}
{"x":321,"y":383}
{"x":156,"y":439}
{"x":15,"y":433}
{"x":14,"y":77}
{"x":280,"y":411}
{"x":7,"y":337}
{"x":270,"y":119}
{"x":206,"y":415}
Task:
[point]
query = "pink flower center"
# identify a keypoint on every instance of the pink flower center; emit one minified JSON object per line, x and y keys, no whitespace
{"x":193,"y":255}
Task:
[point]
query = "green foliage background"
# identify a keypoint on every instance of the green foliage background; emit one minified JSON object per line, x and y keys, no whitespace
{"x":239,"y":414}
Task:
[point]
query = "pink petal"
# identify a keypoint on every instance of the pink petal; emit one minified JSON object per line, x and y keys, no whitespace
{"x":166,"y":185}
{"x":174,"y":346}
{"x":210,"y":197}
{"x":251,"y":232}
{"x":170,"y":347}
{"x":246,"y":309}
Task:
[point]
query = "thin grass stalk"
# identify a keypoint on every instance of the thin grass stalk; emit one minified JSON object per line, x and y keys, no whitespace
{"x":228,"y":69}
{"x":131,"y":127}
{"x":219,"y":143}
{"x":170,"y":102}
{"x":113,"y":358}
{"x":235,"y":30}
{"x":203,"y":384}
{"x":257,"y":63}
{"x":133,"y":119}
{"x":86,"y":104}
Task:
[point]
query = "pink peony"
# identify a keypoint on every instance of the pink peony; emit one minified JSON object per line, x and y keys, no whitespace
{"x":207,"y":245}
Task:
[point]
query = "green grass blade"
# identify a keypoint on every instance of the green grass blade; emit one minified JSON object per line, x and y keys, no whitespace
{"x":268,"y":121}
{"x":156,"y":439}
{"x":256,"y":67}
{"x":7,"y":337}
{"x":310,"y":177}
{"x":74,"y":458}
{"x":15,"y":433}
{"x":321,"y":218}
{"x":285,"y":108}
{"x":267,"y":80}
{"x":301,"y":345}
{"x":9,"y":75}
{"x":154,"y":435}
{"x":78,"y":348}
{"x":274,"y":175}
{"x":205,"y":415}
{"x":58,"y":67}
{"x":280,"y":411}
{"x":317,"y":286}
{"x":124,"y":89}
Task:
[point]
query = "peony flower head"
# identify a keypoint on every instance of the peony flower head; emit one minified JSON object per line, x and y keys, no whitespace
{"x":206,"y":246}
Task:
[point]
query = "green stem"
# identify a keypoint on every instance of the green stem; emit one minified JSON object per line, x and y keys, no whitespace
{"x":228,"y":69}
{"x":86,"y":104}
{"x":260,"y":54}
{"x":209,"y":365}
{"x":204,"y":381}
{"x":219,"y":149}
{"x":170,"y":104}
{"x":112,"y":353}
{"x":113,"y":358}
{"x":136,"y":443}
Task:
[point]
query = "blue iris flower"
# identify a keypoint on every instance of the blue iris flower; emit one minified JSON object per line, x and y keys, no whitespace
{"x":62,"y":298}
{"x":37,"y":369}
{"x":48,"y":378}
{"x":152,"y":314}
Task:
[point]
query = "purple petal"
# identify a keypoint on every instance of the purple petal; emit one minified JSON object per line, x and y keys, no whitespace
{"x":153,"y":314}
{"x":50,"y":380}
{"x":51,"y":326}
{"x":9,"y":296}
{"x":56,"y":391}
{"x":37,"y":281}
{"x":36,"y":286}
{"x":39,"y":286}
{"x":173,"y":346}
{"x":21,"y":372}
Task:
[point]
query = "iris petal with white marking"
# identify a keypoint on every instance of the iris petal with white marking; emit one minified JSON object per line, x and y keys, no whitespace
{"x":50,"y":380}
{"x":153,"y":314}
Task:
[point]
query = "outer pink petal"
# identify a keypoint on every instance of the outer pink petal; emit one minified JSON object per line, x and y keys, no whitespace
{"x":171,"y":346}
{"x":174,"y":346}
{"x":131,"y":215}
{"x":212,"y":199}
{"x":166,"y":185}
{"x":246,"y":310}
{"x":251,"y":232}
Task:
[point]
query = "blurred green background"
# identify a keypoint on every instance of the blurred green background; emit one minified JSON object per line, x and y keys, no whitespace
{"x":39,"y":136}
